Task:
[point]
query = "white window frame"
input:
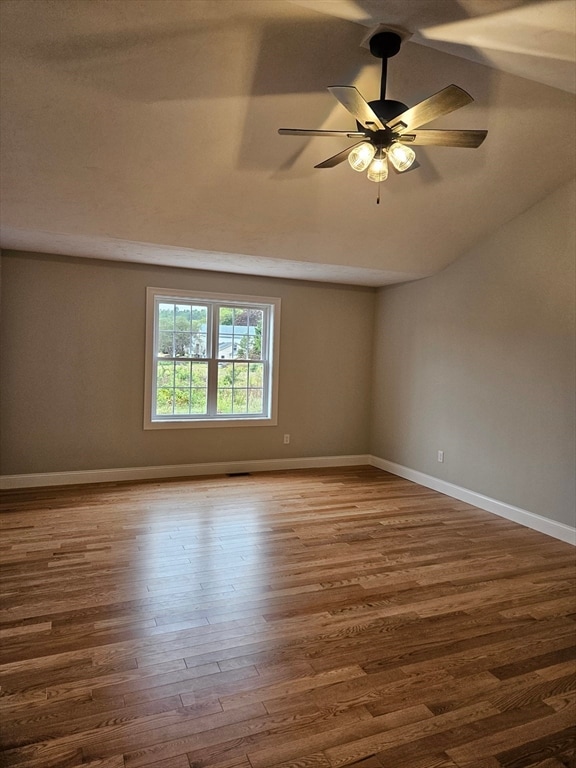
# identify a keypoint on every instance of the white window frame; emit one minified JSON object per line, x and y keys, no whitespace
{"x":270,"y":358}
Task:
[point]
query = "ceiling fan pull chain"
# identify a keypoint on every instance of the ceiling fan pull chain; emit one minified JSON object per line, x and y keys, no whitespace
{"x":378,"y":197}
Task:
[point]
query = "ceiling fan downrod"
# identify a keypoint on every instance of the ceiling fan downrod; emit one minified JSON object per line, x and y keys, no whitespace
{"x":383,"y":46}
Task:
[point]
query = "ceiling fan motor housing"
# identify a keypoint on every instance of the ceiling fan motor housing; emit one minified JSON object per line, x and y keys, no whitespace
{"x":386,"y":109}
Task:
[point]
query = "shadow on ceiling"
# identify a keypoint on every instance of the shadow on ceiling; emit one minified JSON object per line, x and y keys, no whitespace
{"x":210,"y":59}
{"x":253,"y":59}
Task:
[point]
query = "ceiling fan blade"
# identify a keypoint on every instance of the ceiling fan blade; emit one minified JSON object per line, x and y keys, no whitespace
{"x":442,"y":103}
{"x":439,"y":138}
{"x":336,"y":159}
{"x":353,"y":101}
{"x":306,"y":132}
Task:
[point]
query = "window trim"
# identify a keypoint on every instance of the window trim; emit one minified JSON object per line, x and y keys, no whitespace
{"x":271,"y":362}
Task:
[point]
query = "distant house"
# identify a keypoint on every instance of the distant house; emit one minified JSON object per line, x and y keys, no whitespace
{"x":230,"y":337}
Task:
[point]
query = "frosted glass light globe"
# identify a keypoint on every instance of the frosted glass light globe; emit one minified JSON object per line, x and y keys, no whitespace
{"x":361,"y":156}
{"x":378,"y":170}
{"x":401,"y":156}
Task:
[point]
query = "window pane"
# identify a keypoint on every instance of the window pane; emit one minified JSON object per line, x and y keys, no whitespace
{"x":225,"y":374}
{"x":226,"y":316}
{"x":256,"y":318}
{"x":252,"y":343}
{"x":199,"y":328}
{"x":254,"y":351}
{"x":225,"y":346}
{"x":240,"y":342}
{"x":182,"y":330}
{"x":255,"y":401}
{"x":165,"y":374}
{"x":225,"y":384}
{"x":182,"y":401}
{"x":256,"y":375}
{"x":166,"y":316}
{"x":233,"y":393}
{"x":224,"y":401}
{"x":239,"y":400}
{"x":199,"y":401}
{"x":198,"y":345}
{"x":229,"y":337}
{"x":240,"y":374}
{"x":254,"y":348}
{"x":182,"y":374}
{"x":166,"y":344}
{"x":200,"y":375}
{"x":182,"y":344}
{"x":183,"y":317}
{"x":164,"y":401}
{"x":199,"y":317}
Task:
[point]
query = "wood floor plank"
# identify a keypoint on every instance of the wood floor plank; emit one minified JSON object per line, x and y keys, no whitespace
{"x":291,"y":619}
{"x":518,"y":737}
{"x":300,"y":743}
{"x":359,"y":748}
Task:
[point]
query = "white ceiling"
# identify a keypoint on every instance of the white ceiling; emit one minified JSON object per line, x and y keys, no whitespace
{"x":146,"y":131}
{"x":536,"y":40}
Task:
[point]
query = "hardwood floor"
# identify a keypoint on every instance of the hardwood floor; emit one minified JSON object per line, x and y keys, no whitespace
{"x":304,"y":619}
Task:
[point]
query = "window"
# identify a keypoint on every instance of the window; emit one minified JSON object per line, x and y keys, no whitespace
{"x":211,"y":359}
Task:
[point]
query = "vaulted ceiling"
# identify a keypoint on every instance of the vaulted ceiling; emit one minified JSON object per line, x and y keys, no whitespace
{"x":147,"y":131}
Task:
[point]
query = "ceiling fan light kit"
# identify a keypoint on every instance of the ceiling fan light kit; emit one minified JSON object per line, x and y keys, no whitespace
{"x":386,"y":126}
{"x":378,"y":170}
{"x":401,"y":156}
{"x":361,"y":155}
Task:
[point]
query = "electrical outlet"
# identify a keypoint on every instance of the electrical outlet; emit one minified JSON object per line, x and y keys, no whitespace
{"x":286,"y":439}
{"x":441,"y":456}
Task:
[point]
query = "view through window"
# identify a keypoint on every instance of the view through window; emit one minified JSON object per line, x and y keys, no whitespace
{"x":212,"y":358}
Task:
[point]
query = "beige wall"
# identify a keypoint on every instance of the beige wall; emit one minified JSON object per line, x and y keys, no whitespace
{"x":73,"y":365}
{"x":478,"y":361}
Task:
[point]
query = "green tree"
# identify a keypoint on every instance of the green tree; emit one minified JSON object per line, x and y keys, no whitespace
{"x":250,"y":346}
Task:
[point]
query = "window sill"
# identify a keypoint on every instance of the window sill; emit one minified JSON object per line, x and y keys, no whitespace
{"x":258,"y":421}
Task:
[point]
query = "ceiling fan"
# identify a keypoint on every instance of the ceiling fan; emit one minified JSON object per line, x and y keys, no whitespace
{"x":386,"y":128}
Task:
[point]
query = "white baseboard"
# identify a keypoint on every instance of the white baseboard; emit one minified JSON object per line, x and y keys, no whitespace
{"x":500,"y":508}
{"x":176,"y":470}
{"x":521,"y":516}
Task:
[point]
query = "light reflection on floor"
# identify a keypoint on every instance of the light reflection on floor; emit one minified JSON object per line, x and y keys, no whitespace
{"x":197,"y":561}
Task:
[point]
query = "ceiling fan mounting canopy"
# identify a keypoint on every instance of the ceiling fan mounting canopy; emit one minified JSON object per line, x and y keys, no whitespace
{"x":384,"y":45}
{"x":385,"y":127}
